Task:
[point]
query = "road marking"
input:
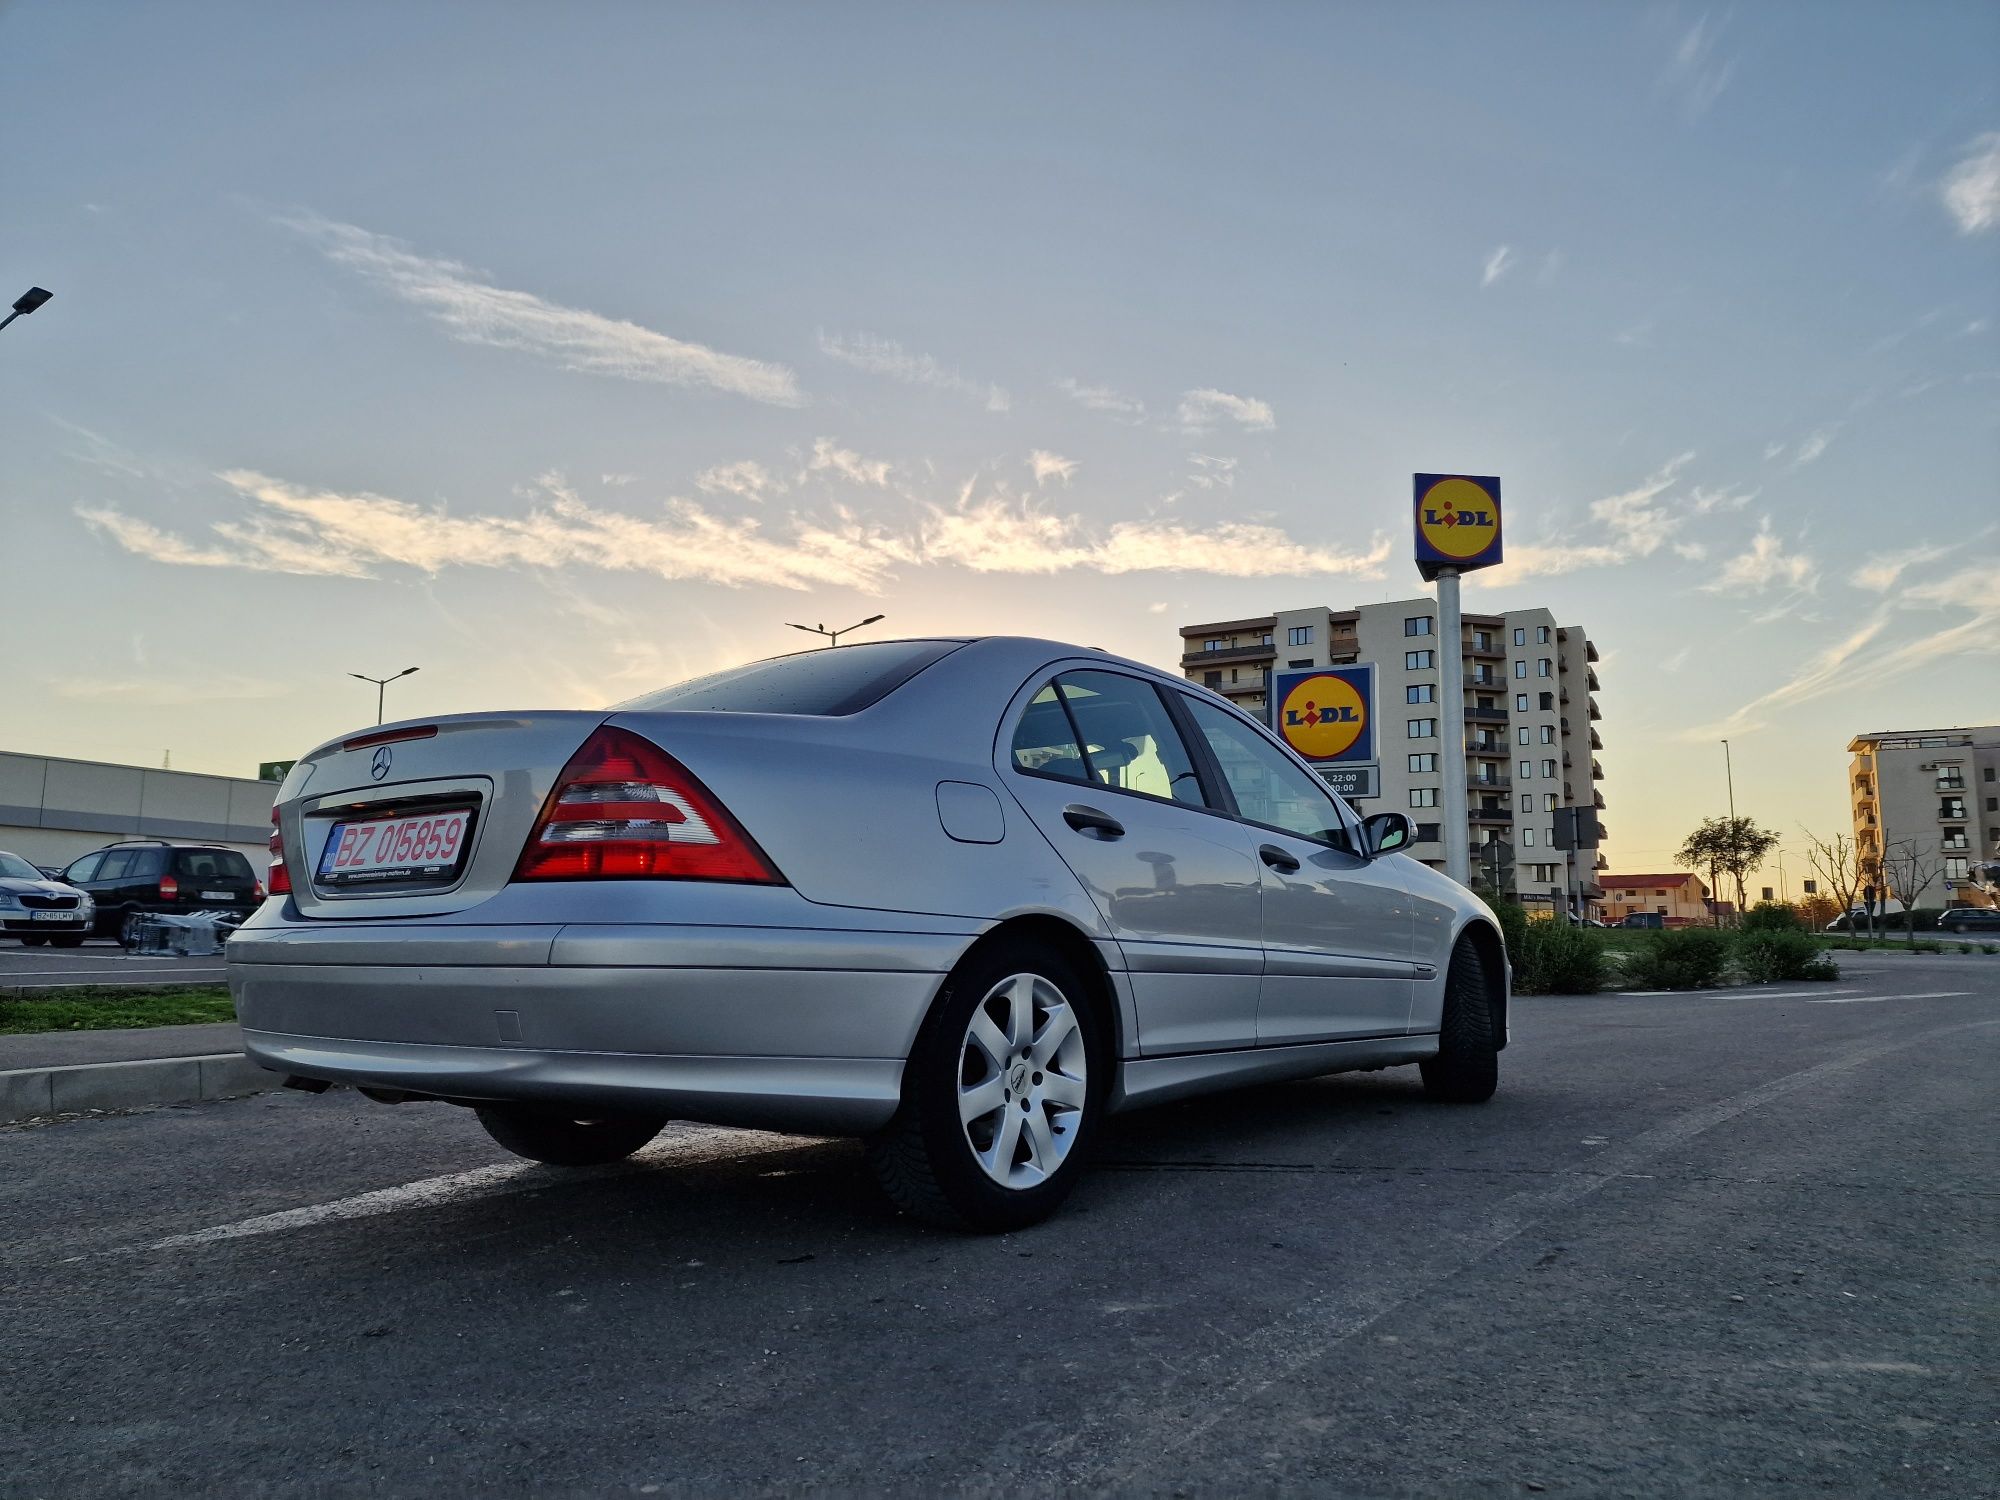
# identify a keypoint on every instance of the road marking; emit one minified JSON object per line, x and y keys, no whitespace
{"x":1928,"y":995}
{"x":691,"y":1143}
{"x":1123,"y":1446}
{"x":1729,"y":993}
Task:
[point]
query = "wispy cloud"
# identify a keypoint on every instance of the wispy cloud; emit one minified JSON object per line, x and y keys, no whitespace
{"x":167,"y":690}
{"x":1202,"y":409}
{"x":1497,"y":264}
{"x":1881,"y":575}
{"x":617,"y":481}
{"x":1696,"y":73}
{"x":1763,"y":563}
{"x":1813,"y":445}
{"x":1102,"y":398}
{"x":880,"y":356}
{"x":1046,"y":466}
{"x":746,"y":479}
{"x":828,"y":457}
{"x":1208,"y":471}
{"x":1971,"y":190}
{"x":100,"y":452}
{"x":474,"y":311}
{"x":295,"y":529}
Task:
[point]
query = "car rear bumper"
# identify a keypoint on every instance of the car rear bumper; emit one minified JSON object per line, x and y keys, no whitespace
{"x":788,"y":1029}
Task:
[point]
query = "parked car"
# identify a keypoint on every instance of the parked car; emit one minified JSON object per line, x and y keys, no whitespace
{"x":961,"y":898}
{"x":1642,"y":919}
{"x":39,"y":910}
{"x":1971,"y":919}
{"x":130,"y":879}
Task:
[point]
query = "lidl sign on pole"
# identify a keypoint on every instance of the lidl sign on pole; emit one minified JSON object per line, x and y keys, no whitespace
{"x":1327,"y":714}
{"x":1457,"y":522}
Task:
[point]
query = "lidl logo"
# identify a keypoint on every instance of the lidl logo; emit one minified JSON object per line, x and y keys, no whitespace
{"x":1322,"y":716}
{"x":1458,"y":521}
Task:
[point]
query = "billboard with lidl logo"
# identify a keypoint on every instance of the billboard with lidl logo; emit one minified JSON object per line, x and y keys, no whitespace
{"x":1327,"y":714}
{"x":1457,"y":522}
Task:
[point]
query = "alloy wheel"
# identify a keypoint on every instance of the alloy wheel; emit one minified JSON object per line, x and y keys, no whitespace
{"x":1022,"y":1080}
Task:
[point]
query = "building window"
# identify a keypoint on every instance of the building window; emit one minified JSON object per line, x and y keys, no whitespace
{"x":1527,"y":802}
{"x":1952,"y":808}
{"x":1521,"y":735}
{"x":1417,"y":625}
{"x":1418,"y":661}
{"x":1548,"y":702}
{"x":1423,"y":729}
{"x":1213,"y":645}
{"x":1527,"y":838}
{"x":1541,"y":635}
{"x":1549,"y":802}
{"x":1481,"y":641}
{"x":1520,"y":637}
{"x":1423,"y":796}
{"x":1957,"y":869}
{"x":1422,"y":763}
{"x":1993,"y":804}
{"x":1549,"y":769}
{"x":1299,"y":635}
{"x":1211,"y":679}
{"x":1548,"y":734}
{"x":1420,"y":692}
{"x":1520,"y":703}
{"x":1264,"y":639}
{"x":1520,"y":669}
{"x":1527,"y":770}
{"x":1544,"y":667}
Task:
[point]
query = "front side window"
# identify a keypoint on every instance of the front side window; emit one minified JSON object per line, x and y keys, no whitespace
{"x":117,"y":864}
{"x":1129,"y":743}
{"x":85,"y":868}
{"x":1268,"y":786}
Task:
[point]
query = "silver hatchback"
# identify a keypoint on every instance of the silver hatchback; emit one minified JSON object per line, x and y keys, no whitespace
{"x":958,"y":897}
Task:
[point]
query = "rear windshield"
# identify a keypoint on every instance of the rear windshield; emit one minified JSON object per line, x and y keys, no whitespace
{"x":213,"y":864}
{"x":837,"y":680}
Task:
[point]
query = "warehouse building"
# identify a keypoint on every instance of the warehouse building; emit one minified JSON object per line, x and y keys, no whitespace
{"x":53,"y":810}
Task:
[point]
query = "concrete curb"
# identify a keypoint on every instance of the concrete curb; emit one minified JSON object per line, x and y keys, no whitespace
{"x":30,"y":1093}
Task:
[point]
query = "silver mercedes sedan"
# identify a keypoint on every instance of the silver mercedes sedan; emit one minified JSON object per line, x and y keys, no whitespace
{"x":961,"y":898}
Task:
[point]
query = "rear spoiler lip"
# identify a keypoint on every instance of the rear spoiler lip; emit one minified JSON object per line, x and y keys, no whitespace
{"x":442,"y":723}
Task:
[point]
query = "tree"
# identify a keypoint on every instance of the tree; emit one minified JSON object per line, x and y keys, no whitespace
{"x":1905,"y":873}
{"x":1837,"y":861}
{"x":1727,"y":846}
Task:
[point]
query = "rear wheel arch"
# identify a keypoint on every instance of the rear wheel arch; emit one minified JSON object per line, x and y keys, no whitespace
{"x":1493,"y":956}
{"x":1083,"y":955}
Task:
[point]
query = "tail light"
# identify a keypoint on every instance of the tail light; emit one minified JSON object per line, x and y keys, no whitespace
{"x":624,"y":808}
{"x":281,"y":878}
{"x":170,"y":888}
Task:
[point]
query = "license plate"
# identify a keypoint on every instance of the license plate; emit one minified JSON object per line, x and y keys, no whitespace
{"x":218,"y":896}
{"x":416,"y":847}
{"x":55,"y":916}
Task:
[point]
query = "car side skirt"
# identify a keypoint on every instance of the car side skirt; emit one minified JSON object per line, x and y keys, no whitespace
{"x":1155,"y":1080}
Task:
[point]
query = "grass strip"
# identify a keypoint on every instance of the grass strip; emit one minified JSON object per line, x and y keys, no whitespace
{"x":98,"y":1008}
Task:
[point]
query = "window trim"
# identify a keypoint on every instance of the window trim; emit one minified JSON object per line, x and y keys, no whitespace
{"x":1003,"y":739}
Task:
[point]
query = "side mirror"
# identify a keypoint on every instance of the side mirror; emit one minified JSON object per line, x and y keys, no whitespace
{"x":1385,"y":833}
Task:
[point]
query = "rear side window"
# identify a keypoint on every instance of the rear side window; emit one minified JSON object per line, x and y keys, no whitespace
{"x":1129,"y":744}
{"x":1043,"y":741}
{"x":117,"y":865}
{"x":214,"y":864}
{"x":827,"y":683}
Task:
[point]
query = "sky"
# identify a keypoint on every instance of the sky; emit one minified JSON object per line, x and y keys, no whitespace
{"x":563,"y":352}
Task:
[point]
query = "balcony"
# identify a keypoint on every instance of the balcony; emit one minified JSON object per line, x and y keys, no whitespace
{"x":1226,"y":654}
{"x":1488,"y":783}
{"x":1601,"y":863}
{"x":1596,"y":771}
{"x":1496,"y":816}
{"x":1239,"y":689}
{"x":1597,"y":800}
{"x":1596,"y":740}
{"x":1590,"y":681}
{"x":1589,"y":650}
{"x":1485,"y":678}
{"x":1486,"y":716}
{"x":1955,"y":784}
{"x":1951,"y":812}
{"x":1493,"y":646}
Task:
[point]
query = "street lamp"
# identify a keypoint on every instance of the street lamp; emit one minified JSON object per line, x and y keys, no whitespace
{"x":26,"y":303}
{"x":381,"y":686}
{"x":833,"y":636}
{"x":1729,"y":770}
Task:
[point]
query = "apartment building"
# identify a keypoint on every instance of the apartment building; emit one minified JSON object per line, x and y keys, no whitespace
{"x":1524,"y":700}
{"x":1934,"y":793}
{"x":1679,"y":896}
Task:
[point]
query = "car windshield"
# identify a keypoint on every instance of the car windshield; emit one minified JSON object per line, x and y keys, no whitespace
{"x":13,"y":867}
{"x":826,"y":683}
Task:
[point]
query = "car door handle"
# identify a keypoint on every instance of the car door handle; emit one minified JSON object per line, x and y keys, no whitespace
{"x":1089,"y":820}
{"x":1277,"y":859}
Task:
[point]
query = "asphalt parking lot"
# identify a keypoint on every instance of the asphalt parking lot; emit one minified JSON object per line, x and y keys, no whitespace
{"x":1725,"y":1243}
{"x":100,"y":961}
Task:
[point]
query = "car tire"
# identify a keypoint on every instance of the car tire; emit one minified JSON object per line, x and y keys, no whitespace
{"x":1014,"y":1026}
{"x":34,"y":942}
{"x":561,"y":1140}
{"x":1466,"y":1069}
{"x":67,"y":940}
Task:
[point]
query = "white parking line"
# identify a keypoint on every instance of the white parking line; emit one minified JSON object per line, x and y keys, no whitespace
{"x":1723,"y":994}
{"x":1928,"y":995}
{"x":706,"y":1143}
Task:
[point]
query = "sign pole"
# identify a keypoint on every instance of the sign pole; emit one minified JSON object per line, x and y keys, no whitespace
{"x":1451,"y":709}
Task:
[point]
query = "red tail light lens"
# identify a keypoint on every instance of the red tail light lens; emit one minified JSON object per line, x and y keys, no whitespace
{"x":170,"y":888}
{"x":281,"y":878}
{"x":624,"y":808}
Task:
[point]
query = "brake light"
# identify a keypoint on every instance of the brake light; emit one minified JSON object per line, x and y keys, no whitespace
{"x":170,"y":888}
{"x":624,"y":808}
{"x":281,"y":878}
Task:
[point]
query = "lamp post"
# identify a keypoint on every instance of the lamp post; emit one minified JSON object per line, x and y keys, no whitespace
{"x":381,"y":686}
{"x":833,"y":636}
{"x":26,"y":303}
